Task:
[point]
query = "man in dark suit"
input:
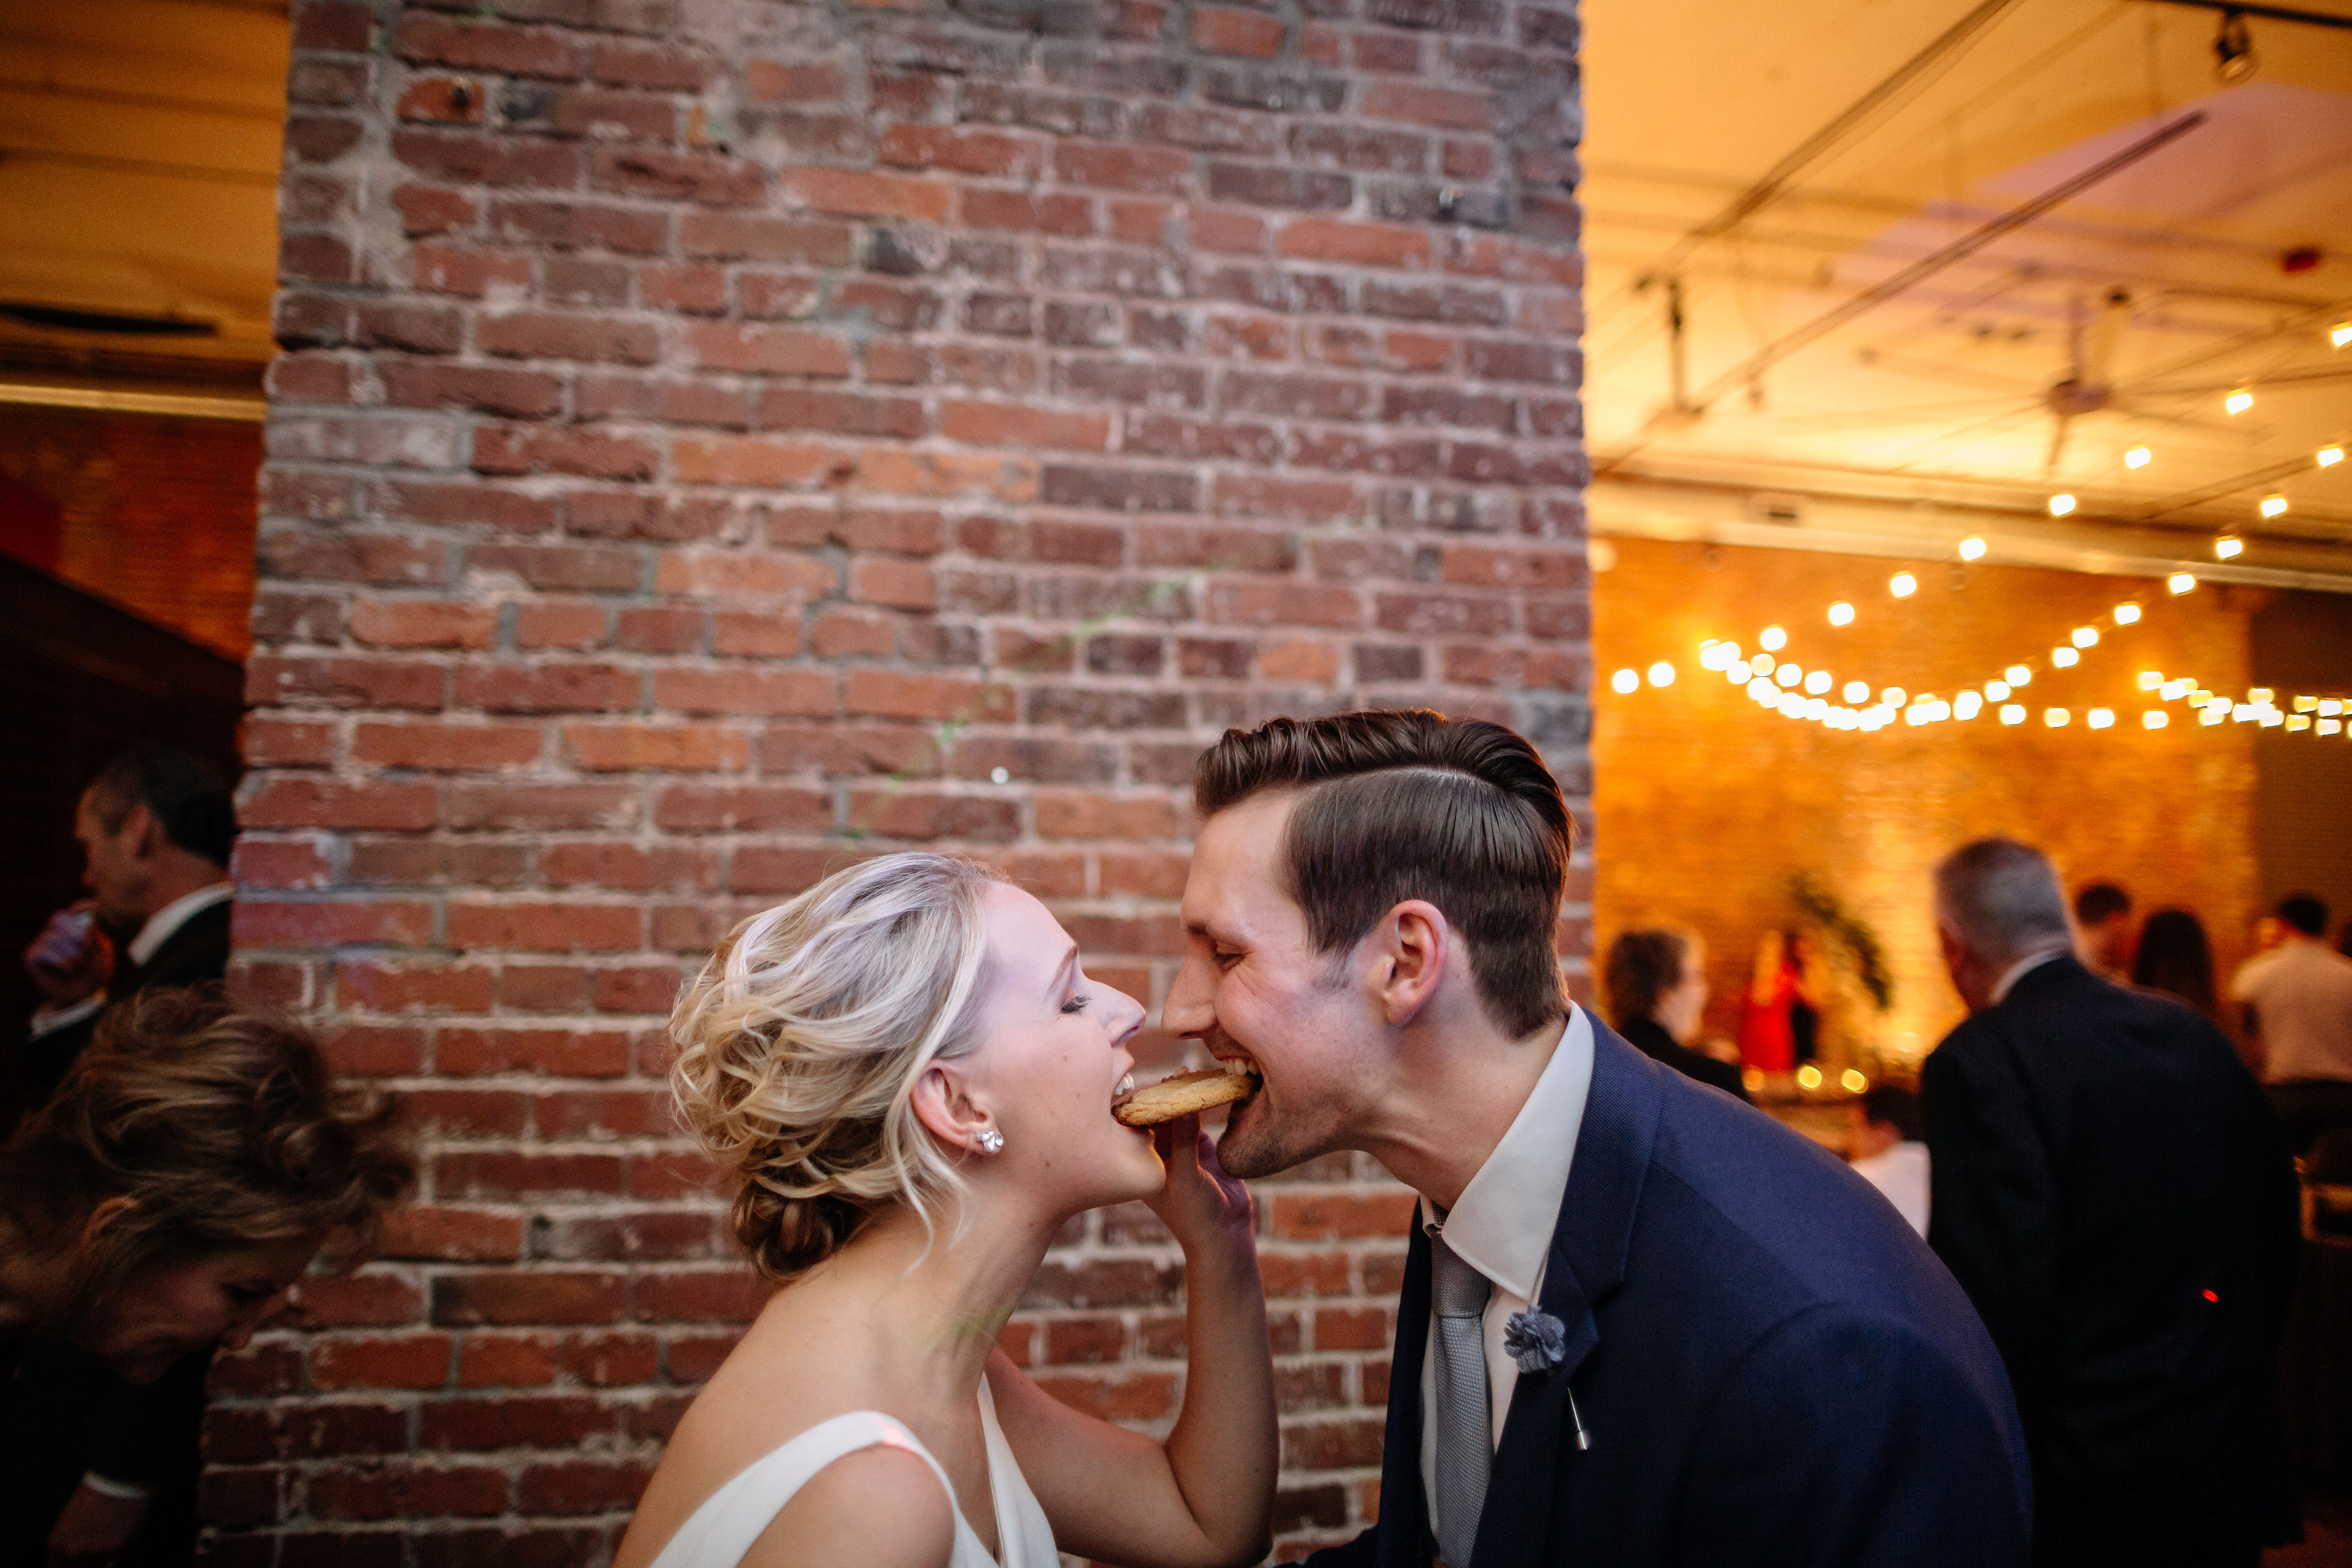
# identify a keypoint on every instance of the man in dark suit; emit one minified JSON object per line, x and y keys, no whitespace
{"x":2115,"y":1193}
{"x":155,"y":829}
{"x":90,"y":1467}
{"x":1640,"y":1322}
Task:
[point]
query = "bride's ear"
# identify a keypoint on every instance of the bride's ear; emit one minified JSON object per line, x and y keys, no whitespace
{"x":944,"y":1104}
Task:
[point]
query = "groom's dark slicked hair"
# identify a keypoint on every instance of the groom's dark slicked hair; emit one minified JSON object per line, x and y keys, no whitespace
{"x":1408,"y":803}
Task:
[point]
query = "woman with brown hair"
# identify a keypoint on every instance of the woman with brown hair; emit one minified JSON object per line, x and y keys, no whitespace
{"x":195,"y":1165}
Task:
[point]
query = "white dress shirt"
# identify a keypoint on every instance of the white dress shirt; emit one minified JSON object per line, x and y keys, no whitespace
{"x":160,"y":927}
{"x":2024,"y":967}
{"x":1503,"y":1225}
{"x":2302,"y":997}
{"x":1901,"y":1173}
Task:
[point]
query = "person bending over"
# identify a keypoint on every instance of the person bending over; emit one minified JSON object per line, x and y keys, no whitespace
{"x":195,"y":1163}
{"x":907,"y":1078}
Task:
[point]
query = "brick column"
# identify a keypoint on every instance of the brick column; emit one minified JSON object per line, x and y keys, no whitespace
{"x":717,"y":439}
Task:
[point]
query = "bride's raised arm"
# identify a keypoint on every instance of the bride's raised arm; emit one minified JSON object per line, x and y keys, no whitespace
{"x":1202,"y":1499}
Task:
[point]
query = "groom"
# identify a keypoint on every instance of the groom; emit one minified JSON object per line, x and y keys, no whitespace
{"x":1641,"y":1324}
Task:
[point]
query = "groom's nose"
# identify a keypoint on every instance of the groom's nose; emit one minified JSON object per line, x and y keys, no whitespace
{"x":1191,"y":1007}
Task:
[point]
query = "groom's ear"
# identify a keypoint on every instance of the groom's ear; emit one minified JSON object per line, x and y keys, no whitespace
{"x":1407,"y":951}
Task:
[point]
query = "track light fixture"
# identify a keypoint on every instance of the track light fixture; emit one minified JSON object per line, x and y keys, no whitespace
{"x":2233,"y":51}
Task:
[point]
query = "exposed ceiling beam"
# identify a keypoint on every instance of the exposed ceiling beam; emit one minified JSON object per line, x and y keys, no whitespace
{"x":177,"y":404}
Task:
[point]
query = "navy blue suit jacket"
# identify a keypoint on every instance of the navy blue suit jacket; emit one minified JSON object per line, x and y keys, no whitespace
{"x":1770,"y":1366}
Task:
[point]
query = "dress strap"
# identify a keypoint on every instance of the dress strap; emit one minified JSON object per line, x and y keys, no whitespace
{"x":723,"y":1528}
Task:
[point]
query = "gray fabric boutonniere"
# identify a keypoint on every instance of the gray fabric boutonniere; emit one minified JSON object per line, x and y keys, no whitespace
{"x":1535,"y":1340}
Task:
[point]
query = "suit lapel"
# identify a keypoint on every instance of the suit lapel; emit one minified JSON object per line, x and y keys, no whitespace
{"x":1583,"y":1269}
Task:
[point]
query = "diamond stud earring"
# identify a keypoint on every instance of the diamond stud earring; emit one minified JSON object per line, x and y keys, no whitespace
{"x":992,"y":1142}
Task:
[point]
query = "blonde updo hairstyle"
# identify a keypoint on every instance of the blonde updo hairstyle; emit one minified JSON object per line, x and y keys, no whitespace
{"x":801,"y":1042}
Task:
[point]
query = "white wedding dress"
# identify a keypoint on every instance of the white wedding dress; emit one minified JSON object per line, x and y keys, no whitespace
{"x":733,"y":1517}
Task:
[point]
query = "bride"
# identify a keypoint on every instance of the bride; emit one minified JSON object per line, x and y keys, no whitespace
{"x":906,"y":1077}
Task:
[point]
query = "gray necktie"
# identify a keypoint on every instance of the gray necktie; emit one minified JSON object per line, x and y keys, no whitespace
{"x":1466,"y":1444}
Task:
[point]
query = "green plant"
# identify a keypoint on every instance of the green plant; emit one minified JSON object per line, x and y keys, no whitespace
{"x":1822,"y":907}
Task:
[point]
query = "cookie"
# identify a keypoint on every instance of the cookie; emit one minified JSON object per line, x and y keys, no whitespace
{"x":1184,"y":1094}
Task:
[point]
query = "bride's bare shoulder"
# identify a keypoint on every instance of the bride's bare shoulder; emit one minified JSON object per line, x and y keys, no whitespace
{"x":876,"y":1507}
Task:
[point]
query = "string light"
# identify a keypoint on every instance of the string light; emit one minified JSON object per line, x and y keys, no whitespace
{"x":1972,"y":548}
{"x":1902,"y":585}
{"x":2228,"y":547}
{"x":2056,"y":718}
{"x":1995,"y":690}
{"x":2018,"y":675}
{"x":2155,"y":718}
{"x":1856,"y":691}
{"x":2086,"y":637}
{"x":1789,"y":674}
{"x":1772,"y":640}
{"x":2126,"y":613}
{"x":2102,"y":718}
{"x":1818,"y":682}
{"x":2273,"y":505}
{"x":1625,"y":680}
{"x":2151,"y":680}
{"x":1661,"y":674}
{"x":1852,"y":1081}
{"x":2012,"y":714}
{"x":1841,"y":614}
{"x":1967,"y":705}
{"x":2330,"y":454}
{"x":1809,"y":1077}
{"x":2339,"y":334}
{"x":2138,"y":458}
{"x":1761,"y":663}
{"x":2060,"y":505}
{"x":2181,"y":583}
{"x":2064,"y":657}
{"x":1893,"y":697}
{"x":2238,"y":402}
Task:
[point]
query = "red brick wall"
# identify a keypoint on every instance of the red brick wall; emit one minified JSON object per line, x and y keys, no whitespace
{"x":717,"y":440}
{"x":1707,"y":803}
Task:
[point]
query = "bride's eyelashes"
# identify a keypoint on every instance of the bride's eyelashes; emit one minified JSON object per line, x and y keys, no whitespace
{"x":1077,"y":1004}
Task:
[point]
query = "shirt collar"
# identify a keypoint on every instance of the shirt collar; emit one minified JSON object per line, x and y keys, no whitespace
{"x":165,"y":922}
{"x":1502,"y":1226}
{"x":2021,"y":969}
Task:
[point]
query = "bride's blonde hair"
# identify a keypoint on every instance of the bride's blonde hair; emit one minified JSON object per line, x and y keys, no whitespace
{"x":801,"y":1042}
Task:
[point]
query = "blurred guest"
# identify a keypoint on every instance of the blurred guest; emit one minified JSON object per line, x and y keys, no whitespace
{"x":155,"y":827}
{"x":1889,"y":1150}
{"x":1656,"y":983}
{"x":1808,"y":984}
{"x":2298,"y":1012}
{"x":2102,"y":920}
{"x":2173,"y":957}
{"x":186,"y":1173}
{"x":2113,"y":1191}
{"x":1767,"y":1040}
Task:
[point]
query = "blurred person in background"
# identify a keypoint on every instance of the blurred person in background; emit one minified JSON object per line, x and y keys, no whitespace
{"x":2174,"y":957}
{"x":1888,"y":1149}
{"x":2114,"y":1192}
{"x":2102,"y":924}
{"x":1655,"y":980}
{"x":188,"y":1172}
{"x":2297,"y":1002}
{"x":156,"y":827}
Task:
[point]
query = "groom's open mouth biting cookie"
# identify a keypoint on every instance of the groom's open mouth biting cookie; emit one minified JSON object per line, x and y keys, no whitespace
{"x":1187,"y":1093}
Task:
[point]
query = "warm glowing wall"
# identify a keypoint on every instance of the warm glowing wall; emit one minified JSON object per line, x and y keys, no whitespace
{"x":1706,"y":802}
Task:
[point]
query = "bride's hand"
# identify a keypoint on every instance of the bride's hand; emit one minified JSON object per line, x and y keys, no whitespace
{"x":1199,"y":1202}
